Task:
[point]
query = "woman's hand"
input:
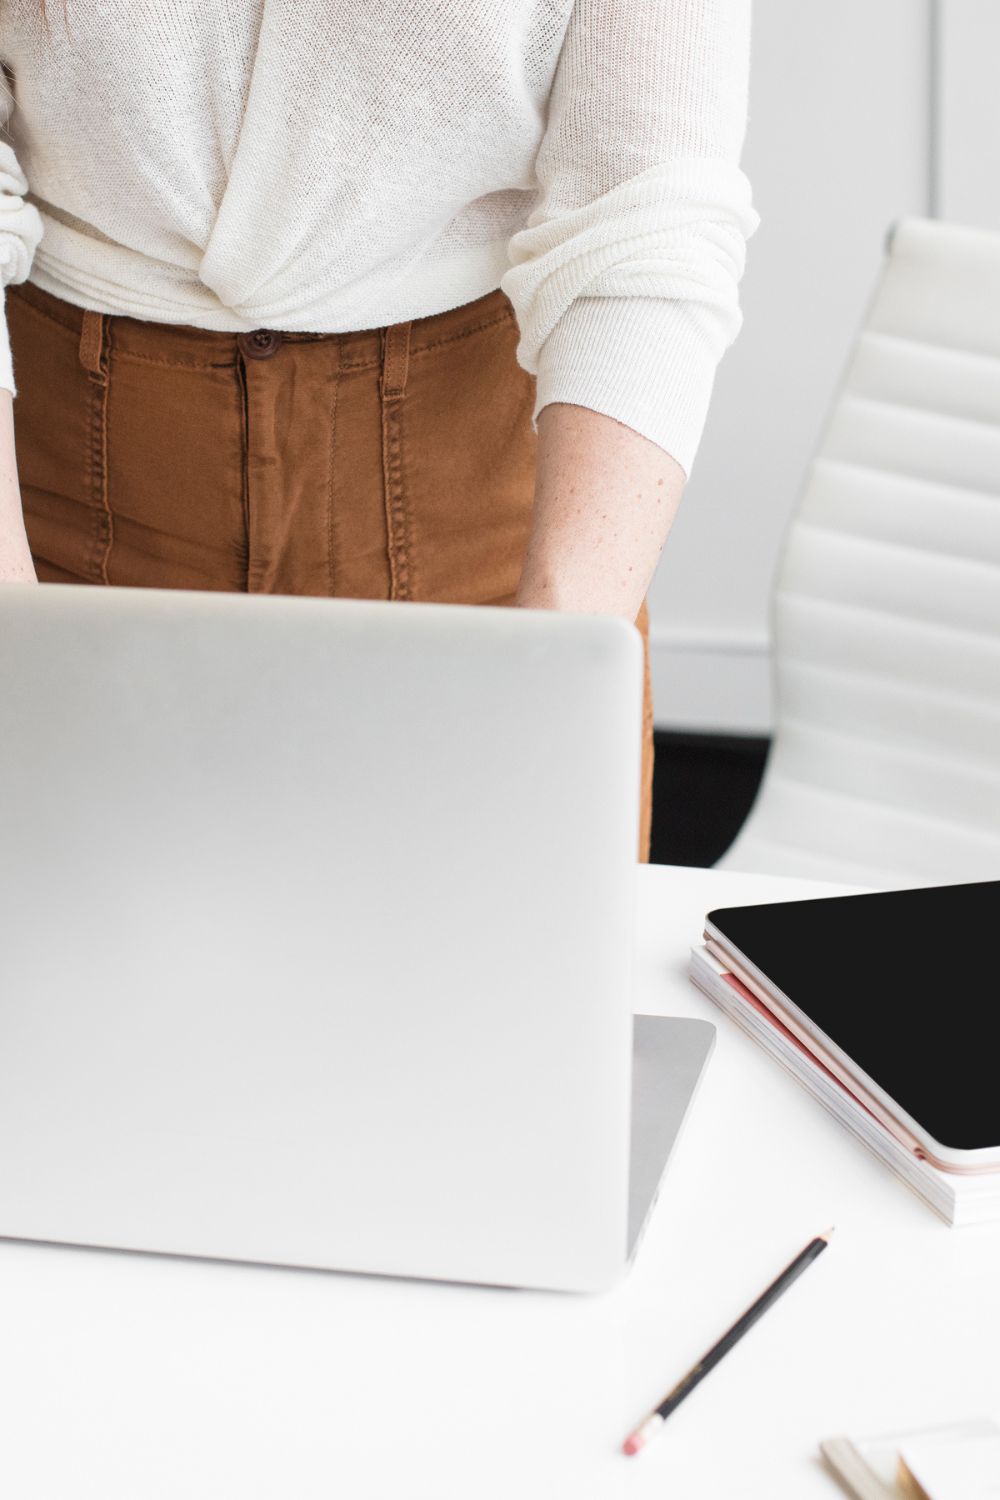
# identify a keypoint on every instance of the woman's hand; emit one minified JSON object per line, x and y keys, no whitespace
{"x":605,"y":499}
{"x":16,"y":565}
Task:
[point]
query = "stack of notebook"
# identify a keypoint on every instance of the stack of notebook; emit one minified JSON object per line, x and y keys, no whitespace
{"x":872,"y":1004}
{"x":958,"y":1462}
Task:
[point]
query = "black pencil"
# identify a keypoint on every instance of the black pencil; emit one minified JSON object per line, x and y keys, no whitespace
{"x":650,"y":1426}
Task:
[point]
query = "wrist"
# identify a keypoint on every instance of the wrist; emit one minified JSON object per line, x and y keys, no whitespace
{"x":588,"y":591}
{"x":16,"y":562}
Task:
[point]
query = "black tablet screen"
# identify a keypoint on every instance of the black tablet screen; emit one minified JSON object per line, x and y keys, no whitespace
{"x":905,"y":983}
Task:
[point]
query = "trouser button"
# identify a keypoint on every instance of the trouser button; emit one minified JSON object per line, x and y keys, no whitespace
{"x":261,"y":343}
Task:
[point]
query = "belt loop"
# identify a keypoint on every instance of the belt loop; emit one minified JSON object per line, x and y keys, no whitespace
{"x":93,"y":339}
{"x":395,"y":341}
{"x":395,"y":361}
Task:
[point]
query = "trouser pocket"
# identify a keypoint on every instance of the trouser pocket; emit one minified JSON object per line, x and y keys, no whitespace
{"x":60,"y":435}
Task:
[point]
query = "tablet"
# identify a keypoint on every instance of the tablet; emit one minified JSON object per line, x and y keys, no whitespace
{"x":897,"y":989}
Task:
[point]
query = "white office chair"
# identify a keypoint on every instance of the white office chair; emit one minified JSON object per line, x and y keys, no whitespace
{"x":885,"y":766}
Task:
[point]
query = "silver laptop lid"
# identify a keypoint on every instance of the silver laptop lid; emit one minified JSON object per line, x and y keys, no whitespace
{"x":308,"y":906}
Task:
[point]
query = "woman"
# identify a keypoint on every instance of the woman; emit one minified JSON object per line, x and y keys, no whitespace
{"x":413,"y":300}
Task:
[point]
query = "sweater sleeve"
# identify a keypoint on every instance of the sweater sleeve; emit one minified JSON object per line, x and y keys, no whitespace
{"x":624,"y":278}
{"x":20,"y":229}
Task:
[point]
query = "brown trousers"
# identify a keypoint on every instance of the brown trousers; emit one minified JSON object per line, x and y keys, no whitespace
{"x":394,"y":463}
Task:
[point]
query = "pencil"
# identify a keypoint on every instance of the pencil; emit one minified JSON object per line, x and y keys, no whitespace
{"x":650,"y":1426}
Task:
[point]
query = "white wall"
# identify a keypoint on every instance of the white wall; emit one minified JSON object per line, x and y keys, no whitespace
{"x":839,"y":144}
{"x":967,"y":137}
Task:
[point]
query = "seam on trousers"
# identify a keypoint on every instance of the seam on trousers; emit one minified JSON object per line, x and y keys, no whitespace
{"x":94,"y":351}
{"x":392,"y":388}
{"x":175,"y":364}
{"x":241,"y":381}
{"x":506,"y":316}
{"x":331,"y":460}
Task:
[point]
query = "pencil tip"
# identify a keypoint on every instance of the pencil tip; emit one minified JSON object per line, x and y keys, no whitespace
{"x":826,"y":1233}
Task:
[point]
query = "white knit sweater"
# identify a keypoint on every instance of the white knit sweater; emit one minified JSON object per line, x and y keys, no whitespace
{"x":328,"y":165}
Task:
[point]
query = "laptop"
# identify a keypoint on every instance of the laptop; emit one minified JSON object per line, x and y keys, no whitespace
{"x":319,"y":934}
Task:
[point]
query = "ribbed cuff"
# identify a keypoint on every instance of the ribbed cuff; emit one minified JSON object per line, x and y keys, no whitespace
{"x":649,"y":362}
{"x":6,"y":358}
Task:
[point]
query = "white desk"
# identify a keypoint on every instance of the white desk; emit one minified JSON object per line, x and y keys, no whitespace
{"x":131,"y":1377}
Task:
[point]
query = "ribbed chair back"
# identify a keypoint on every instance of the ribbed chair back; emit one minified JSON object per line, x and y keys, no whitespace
{"x":885,"y":765}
